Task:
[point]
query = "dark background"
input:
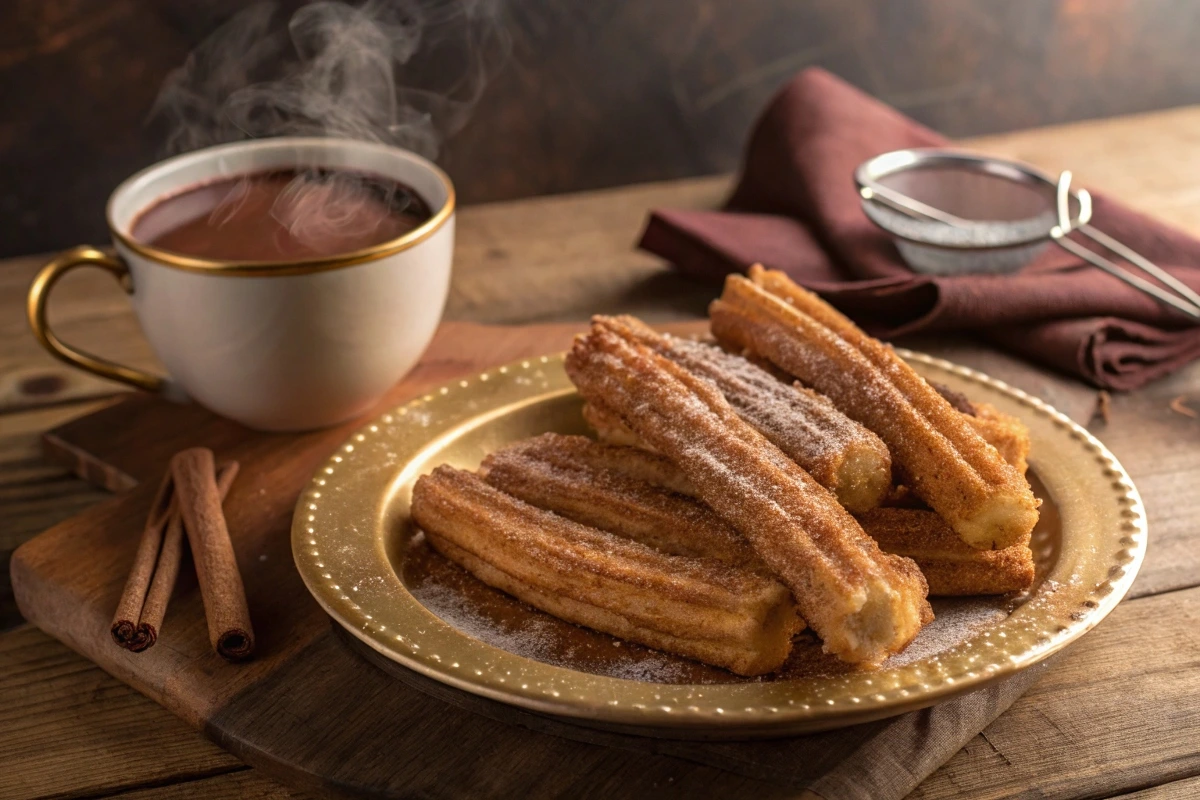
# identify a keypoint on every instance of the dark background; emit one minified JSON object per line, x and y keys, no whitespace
{"x":595,"y":93}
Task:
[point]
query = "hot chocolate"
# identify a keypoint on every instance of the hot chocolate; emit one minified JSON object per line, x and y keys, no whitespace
{"x":282,"y":215}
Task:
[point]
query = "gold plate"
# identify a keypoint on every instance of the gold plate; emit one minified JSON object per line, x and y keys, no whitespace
{"x":356,"y":550}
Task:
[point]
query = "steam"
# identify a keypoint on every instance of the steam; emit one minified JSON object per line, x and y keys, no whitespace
{"x":401,"y":72}
{"x":333,"y":208}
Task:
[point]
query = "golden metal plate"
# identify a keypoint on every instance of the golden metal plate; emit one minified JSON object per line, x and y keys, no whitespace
{"x":359,"y":555}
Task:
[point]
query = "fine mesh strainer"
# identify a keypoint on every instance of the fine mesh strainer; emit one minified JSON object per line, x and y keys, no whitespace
{"x":953,"y":212}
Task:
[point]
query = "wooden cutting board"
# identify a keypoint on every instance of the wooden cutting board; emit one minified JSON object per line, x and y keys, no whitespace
{"x":310,"y":708}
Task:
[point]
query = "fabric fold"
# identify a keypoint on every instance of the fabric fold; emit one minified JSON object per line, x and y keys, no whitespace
{"x":795,"y":208}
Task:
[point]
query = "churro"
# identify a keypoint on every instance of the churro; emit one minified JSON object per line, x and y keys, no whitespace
{"x":947,"y":464}
{"x":636,"y":463}
{"x":842,"y":455}
{"x":609,"y":427}
{"x":1006,"y":433}
{"x":697,"y":607}
{"x":863,"y":603}
{"x":555,"y":473}
{"x":951,"y":566}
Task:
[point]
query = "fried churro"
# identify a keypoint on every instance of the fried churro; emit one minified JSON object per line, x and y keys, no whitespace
{"x":609,"y":427}
{"x":1006,"y":433}
{"x":589,"y":482}
{"x":636,"y":463}
{"x":842,"y":455}
{"x":950,"y":565}
{"x":697,"y":607}
{"x":863,"y":603}
{"x":948,"y":465}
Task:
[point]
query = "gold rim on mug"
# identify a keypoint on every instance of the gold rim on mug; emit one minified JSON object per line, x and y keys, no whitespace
{"x":298,"y":267}
{"x":350,"y":520}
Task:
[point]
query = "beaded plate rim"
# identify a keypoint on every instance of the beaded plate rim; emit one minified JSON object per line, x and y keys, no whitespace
{"x":340,"y":536}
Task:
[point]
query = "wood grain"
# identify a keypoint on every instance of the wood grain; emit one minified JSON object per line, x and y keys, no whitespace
{"x":1055,"y":725}
{"x":1078,"y":732}
{"x":68,"y":729}
{"x":421,"y":746}
{"x":34,"y":493}
{"x":1185,"y":789}
{"x":244,"y":784}
{"x":1160,"y":450}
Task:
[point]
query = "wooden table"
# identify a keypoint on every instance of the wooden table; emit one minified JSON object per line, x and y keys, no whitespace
{"x":1118,"y":717}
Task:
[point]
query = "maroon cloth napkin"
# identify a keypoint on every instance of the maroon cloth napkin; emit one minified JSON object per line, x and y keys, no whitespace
{"x":796,"y":209}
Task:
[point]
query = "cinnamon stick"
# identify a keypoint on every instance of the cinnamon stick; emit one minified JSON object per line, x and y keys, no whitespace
{"x":169,"y":559}
{"x":212,"y":550}
{"x":129,"y":607}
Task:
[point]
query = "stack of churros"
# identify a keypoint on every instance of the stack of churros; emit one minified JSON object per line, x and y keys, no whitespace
{"x":942,"y":457}
{"x":703,"y":608}
{"x":840,"y":454}
{"x":745,"y":489}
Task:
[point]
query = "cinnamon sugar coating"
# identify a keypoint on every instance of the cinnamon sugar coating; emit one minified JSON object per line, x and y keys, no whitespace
{"x":698,"y":607}
{"x":945,"y":461}
{"x":863,"y":603}
{"x":623,"y":459}
{"x":842,"y":455}
{"x":609,"y":427}
{"x":951,"y":566}
{"x":585,"y":481}
{"x":1004,"y":432}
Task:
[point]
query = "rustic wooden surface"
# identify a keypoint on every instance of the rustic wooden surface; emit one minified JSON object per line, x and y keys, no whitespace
{"x":600,"y":93}
{"x":304,"y":681}
{"x":1116,"y":719}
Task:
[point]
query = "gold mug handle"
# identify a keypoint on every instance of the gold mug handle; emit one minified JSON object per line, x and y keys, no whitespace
{"x":39,"y":294}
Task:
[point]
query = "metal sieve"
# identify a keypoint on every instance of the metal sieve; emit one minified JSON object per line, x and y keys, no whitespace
{"x":952,"y":212}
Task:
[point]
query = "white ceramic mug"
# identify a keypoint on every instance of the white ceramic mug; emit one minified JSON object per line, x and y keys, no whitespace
{"x":279,"y":346}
